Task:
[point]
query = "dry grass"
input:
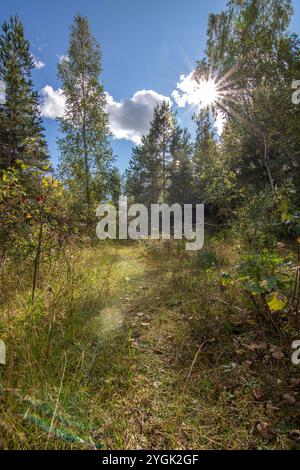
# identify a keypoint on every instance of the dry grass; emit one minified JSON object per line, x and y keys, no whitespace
{"x":107,"y":357}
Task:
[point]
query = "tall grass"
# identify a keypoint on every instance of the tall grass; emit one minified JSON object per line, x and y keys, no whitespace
{"x":59,"y":347}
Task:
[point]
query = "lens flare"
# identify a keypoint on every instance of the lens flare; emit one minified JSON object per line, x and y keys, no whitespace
{"x":207,"y":92}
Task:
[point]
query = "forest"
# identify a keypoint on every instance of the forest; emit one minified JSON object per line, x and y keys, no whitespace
{"x":142,"y":344}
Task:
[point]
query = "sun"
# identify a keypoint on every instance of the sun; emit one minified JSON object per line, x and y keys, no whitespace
{"x":207,"y":92}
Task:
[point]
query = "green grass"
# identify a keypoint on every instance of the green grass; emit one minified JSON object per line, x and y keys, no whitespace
{"x":108,"y":356}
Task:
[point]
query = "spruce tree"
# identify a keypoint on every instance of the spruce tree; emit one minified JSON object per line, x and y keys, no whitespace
{"x":137,"y":181}
{"x":181,"y":177}
{"x":204,"y":152}
{"x":149,"y":168}
{"x":160,"y":138}
{"x":22,"y":142}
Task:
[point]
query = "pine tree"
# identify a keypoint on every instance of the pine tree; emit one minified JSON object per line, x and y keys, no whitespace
{"x":181,"y":175}
{"x":204,"y":153}
{"x":137,"y":181}
{"x":149,"y":167}
{"x":160,"y":138}
{"x":22,"y":143}
{"x":86,"y":155}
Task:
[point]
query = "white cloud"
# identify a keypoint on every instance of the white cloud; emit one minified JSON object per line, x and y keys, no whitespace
{"x":63,"y":57}
{"x":130,"y":118}
{"x":37,"y":63}
{"x":52,"y":103}
{"x":189,"y":92}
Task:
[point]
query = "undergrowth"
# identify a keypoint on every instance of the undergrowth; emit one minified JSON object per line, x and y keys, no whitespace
{"x":144,"y":346}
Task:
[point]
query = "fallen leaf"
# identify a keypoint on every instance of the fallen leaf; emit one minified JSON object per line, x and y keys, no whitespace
{"x":271,"y":406}
{"x":295,"y":435}
{"x":258,"y":393}
{"x":277,"y":355}
{"x":261,"y":346}
{"x":254,"y":346}
{"x":239,"y":351}
{"x":289,"y":399}
{"x":250,"y":347}
{"x":276,"y":352}
{"x":247,"y":363}
{"x":295,"y":381}
{"x":264,"y":429}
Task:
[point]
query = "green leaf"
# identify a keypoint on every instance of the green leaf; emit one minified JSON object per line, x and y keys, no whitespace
{"x":254,"y":287}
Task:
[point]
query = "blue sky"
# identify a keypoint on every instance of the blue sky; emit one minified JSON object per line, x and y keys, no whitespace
{"x":147,"y":46}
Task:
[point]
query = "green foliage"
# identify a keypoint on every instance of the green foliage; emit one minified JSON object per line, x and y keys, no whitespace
{"x":248,"y":179}
{"x":22,"y":214}
{"x":249,"y":45}
{"x":180,"y":169}
{"x":21,"y":130}
{"x":15,"y":213}
{"x":149,"y":167}
{"x":264,"y":272}
{"x":214,"y":182}
{"x":85,"y":151}
{"x":114,"y":185}
{"x":257,"y":221}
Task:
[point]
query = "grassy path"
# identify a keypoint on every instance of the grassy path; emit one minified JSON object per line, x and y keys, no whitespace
{"x":138,"y":366}
{"x":148,"y":401}
{"x":185,"y":382}
{"x":123,"y":350}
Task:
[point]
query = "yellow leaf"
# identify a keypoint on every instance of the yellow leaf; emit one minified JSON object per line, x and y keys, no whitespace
{"x":276,"y":302}
{"x":45,"y":182}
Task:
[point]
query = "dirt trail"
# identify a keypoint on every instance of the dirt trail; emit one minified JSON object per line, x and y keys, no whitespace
{"x":153,"y":385}
{"x":148,"y":412}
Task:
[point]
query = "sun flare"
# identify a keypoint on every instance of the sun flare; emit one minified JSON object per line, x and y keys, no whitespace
{"x":207,"y":92}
